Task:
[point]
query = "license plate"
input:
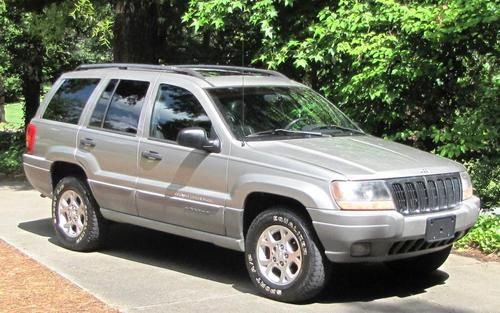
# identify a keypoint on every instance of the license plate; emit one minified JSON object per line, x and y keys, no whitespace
{"x":440,"y":228}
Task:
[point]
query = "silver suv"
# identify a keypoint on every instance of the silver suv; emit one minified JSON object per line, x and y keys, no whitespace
{"x":245,"y":159}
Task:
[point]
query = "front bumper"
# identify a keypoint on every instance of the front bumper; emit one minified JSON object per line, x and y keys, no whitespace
{"x":389,"y":234}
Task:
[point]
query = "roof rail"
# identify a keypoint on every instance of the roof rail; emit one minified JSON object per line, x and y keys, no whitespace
{"x":134,"y":66}
{"x":192,"y":70}
{"x":232,"y":69}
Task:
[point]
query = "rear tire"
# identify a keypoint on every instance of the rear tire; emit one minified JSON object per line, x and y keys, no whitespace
{"x":422,"y":264}
{"x":283,"y":256}
{"x":76,"y":219}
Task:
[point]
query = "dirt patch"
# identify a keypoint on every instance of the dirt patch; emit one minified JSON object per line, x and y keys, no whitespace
{"x":27,"y":286}
{"x":476,"y":254}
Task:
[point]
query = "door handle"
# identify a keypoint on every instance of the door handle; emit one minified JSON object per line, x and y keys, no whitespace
{"x":87,"y":142}
{"x":151,"y":155}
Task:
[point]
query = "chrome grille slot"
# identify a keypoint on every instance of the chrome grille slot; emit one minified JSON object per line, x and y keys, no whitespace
{"x":411,"y":196}
{"x":449,"y":189}
{"x":433,"y":194}
{"x":423,"y":194}
{"x":441,"y":194}
{"x":399,"y":195}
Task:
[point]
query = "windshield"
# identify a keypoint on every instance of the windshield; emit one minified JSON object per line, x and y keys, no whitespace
{"x":269,"y":112}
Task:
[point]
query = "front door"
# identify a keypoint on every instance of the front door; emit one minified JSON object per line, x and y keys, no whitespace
{"x":179,"y":185}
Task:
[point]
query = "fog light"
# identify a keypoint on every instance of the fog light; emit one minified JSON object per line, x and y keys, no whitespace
{"x":361,"y":249}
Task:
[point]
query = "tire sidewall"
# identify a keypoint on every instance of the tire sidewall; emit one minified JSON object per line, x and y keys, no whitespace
{"x":295,"y":225}
{"x":65,"y":184}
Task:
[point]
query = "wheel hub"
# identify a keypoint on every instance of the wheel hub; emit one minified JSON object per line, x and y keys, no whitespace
{"x":71,"y":213}
{"x":279,"y":255}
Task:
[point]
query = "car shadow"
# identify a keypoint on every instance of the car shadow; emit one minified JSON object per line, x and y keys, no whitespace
{"x":42,"y":228}
{"x":372,"y":281}
{"x":349,"y":282}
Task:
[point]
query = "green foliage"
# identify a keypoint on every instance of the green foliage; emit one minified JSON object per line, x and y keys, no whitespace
{"x":485,"y":174}
{"x":55,"y":36}
{"x":72,"y":32}
{"x":99,"y":22}
{"x":11,"y":151}
{"x":9,"y":80}
{"x":485,"y":235}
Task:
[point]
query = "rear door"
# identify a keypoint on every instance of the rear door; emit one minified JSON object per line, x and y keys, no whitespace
{"x":57,"y":128}
{"x":107,"y":144}
{"x":176,"y":184}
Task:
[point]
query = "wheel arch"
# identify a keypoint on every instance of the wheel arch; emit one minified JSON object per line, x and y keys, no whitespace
{"x":61,"y":169}
{"x":252,"y":193}
{"x":258,"y":202}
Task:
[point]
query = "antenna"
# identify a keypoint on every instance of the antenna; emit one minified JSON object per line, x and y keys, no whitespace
{"x":243,"y":104}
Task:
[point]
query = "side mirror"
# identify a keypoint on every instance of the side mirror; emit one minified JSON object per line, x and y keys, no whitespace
{"x":196,"y":137}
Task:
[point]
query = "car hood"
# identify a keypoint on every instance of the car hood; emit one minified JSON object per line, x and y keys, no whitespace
{"x":359,"y":156}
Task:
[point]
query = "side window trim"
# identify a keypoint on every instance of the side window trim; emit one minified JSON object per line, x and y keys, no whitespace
{"x":94,"y":128}
{"x":109,"y":101}
{"x":106,"y":81}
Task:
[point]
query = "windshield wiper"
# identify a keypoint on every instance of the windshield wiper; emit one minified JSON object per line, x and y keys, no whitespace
{"x":332,"y":126}
{"x":281,"y":131}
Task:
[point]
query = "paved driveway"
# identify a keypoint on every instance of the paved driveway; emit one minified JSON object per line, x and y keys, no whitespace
{"x":147,"y":271}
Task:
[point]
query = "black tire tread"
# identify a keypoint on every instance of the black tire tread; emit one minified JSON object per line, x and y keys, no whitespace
{"x":319,"y":268}
{"x":96,"y":224}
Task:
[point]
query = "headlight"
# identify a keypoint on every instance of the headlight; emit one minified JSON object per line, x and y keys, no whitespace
{"x":466,"y":185}
{"x":362,"y":195}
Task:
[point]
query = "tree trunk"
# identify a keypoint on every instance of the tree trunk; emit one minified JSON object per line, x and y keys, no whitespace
{"x":2,"y":102}
{"x":31,"y":92}
{"x":32,"y":80}
{"x":135,"y":32}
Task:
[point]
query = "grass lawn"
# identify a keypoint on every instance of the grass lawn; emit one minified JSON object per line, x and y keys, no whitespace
{"x":14,"y":115}
{"x":11,"y":139}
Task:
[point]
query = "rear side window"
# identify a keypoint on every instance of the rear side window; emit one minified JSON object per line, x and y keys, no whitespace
{"x":69,"y":100}
{"x":119,"y":106}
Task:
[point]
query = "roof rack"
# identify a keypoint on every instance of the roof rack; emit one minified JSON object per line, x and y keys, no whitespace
{"x":231,"y":69}
{"x":192,"y":70}
{"x":133,"y":66}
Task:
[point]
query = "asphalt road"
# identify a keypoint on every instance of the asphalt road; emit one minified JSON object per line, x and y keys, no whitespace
{"x":146,"y":271}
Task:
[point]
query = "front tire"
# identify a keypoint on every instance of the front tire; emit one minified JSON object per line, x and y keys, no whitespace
{"x":422,"y":264}
{"x":283,"y":257}
{"x":76,"y":219}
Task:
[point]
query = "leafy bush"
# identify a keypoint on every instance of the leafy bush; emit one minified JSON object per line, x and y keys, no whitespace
{"x":11,"y":151}
{"x":485,"y":174}
{"x":485,"y":235}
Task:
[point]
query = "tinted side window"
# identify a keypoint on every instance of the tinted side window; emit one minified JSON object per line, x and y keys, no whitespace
{"x":176,"y":108}
{"x":125,"y":107}
{"x":69,"y":100}
{"x":102,"y":104}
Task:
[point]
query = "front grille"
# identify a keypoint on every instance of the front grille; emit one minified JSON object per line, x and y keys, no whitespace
{"x":407,"y":246}
{"x":426,"y":193}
